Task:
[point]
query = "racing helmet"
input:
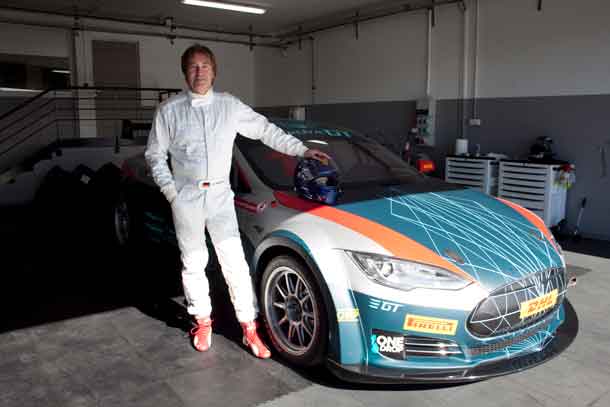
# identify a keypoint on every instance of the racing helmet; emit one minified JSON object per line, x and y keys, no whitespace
{"x":317,"y":181}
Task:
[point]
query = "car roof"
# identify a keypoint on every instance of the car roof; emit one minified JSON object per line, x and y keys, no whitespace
{"x":297,"y":127}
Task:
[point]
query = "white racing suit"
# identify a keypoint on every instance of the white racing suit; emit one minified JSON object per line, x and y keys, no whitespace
{"x":199,"y":132}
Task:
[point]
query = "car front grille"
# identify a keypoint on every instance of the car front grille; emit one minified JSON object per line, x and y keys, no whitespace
{"x":423,"y":346}
{"x":500,"y":312}
{"x":503,"y":344}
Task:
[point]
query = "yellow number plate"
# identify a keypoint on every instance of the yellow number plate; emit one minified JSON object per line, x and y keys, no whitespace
{"x":531,"y":307}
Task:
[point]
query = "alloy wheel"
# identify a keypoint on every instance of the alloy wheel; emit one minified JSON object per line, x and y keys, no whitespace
{"x":291,"y":310}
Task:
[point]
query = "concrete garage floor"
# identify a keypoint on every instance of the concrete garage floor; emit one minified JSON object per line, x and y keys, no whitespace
{"x":82,"y":324}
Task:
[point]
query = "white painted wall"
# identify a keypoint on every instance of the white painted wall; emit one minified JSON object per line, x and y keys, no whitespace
{"x":387,"y":62}
{"x":447,"y":53}
{"x":27,"y":40}
{"x":283,"y":78}
{"x":160,"y":66}
{"x":160,"y":63}
{"x":159,"y":59}
{"x":562,"y":50}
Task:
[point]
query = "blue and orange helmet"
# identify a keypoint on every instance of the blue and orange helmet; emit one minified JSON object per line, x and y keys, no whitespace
{"x":317,"y":181}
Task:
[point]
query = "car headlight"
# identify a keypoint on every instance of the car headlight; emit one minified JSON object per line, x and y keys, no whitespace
{"x":406,"y":275}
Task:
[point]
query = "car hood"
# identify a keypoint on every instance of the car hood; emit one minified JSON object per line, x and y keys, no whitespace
{"x":486,"y":239}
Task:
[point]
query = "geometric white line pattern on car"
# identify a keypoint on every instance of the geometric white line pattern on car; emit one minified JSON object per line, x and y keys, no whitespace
{"x":500,"y":346}
{"x":497,"y":245}
{"x":533,"y":343}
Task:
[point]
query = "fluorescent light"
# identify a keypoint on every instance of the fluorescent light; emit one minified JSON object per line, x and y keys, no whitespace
{"x":64,"y":71}
{"x":225,"y":6}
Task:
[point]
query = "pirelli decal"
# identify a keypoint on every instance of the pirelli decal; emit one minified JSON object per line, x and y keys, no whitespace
{"x":418,"y":323}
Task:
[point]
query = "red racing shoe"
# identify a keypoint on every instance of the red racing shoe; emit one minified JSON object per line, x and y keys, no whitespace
{"x":253,"y":341}
{"x":202,"y":334}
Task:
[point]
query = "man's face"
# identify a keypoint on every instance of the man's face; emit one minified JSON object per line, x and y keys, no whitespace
{"x":199,"y":73}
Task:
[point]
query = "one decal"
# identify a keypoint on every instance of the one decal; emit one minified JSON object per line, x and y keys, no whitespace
{"x":348,"y":314}
{"x":418,"y":323}
{"x":387,"y":344}
{"x":387,"y":306}
{"x":536,"y":305}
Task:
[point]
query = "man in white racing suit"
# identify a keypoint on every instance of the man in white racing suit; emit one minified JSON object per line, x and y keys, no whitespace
{"x":198,"y":128}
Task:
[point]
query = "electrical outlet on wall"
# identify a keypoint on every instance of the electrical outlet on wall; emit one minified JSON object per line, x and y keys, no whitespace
{"x":474,"y":122}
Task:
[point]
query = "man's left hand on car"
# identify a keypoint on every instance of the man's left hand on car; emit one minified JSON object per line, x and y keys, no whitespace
{"x":318,"y":155}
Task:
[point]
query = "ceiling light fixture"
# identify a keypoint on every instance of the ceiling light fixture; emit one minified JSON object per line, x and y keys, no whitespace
{"x":64,"y":71}
{"x":225,"y":6}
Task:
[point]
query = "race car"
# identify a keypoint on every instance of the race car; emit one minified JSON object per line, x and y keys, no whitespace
{"x":404,"y":278}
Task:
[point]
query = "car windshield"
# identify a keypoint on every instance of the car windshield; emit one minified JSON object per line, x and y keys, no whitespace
{"x":360,"y":160}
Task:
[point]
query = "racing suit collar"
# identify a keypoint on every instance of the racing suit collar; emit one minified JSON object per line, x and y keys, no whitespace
{"x":196,"y":99}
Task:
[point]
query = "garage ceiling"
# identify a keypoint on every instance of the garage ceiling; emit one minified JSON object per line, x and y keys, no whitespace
{"x":281,"y":16}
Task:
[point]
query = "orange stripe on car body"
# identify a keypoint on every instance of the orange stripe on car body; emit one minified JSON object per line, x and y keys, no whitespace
{"x":399,"y":245}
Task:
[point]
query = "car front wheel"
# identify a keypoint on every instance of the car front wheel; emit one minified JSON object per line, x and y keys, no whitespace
{"x":294,"y":311}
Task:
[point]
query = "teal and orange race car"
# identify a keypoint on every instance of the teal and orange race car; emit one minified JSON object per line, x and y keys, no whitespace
{"x":406,"y":278}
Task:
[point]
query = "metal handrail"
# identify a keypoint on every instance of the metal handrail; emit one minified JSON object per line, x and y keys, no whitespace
{"x":109,"y":109}
{"x":24,"y":104}
{"x":20,"y":118}
{"x":29,"y":136}
{"x":70,"y":88}
{"x":32,"y":116}
{"x":100,"y":88}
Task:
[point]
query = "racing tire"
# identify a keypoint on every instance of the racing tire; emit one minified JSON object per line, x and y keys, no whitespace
{"x":115,"y":218}
{"x":294,"y":312}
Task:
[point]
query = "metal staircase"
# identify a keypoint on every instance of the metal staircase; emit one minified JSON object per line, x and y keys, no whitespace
{"x":100,"y":122}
